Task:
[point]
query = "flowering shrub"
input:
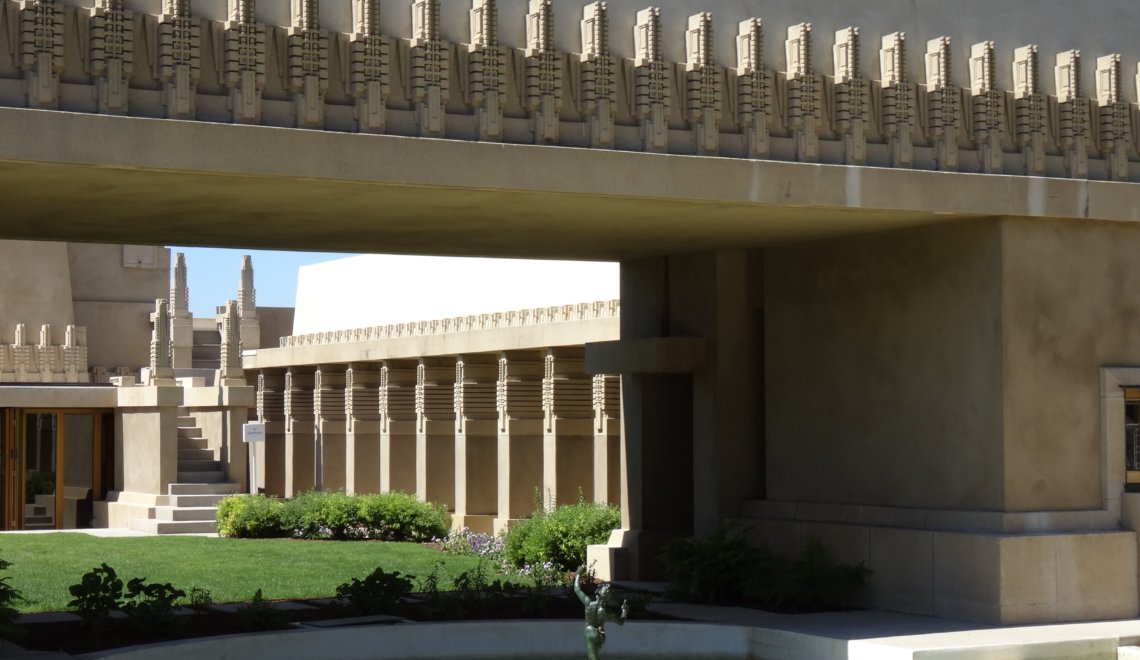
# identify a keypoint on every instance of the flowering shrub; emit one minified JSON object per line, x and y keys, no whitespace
{"x":560,"y":536}
{"x":473,"y":544}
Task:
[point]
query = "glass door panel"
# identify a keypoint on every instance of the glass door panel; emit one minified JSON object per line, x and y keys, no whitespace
{"x":40,"y":452}
{"x":78,"y":470}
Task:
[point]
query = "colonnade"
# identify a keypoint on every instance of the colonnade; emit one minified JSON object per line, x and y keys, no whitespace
{"x":480,"y":433}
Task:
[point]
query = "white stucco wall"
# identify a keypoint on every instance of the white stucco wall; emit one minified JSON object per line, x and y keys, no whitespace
{"x":380,"y":289}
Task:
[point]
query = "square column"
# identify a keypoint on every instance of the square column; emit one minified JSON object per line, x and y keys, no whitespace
{"x":476,"y":442}
{"x":328,"y":413}
{"x":607,"y":439}
{"x":435,"y":431}
{"x":398,"y":426}
{"x":271,"y":412}
{"x":520,"y":435}
{"x":146,"y":431}
{"x":362,"y":428}
{"x":299,"y":432}
{"x":568,"y":429}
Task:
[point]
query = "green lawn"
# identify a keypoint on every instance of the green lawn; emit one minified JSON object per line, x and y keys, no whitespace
{"x":44,"y":565}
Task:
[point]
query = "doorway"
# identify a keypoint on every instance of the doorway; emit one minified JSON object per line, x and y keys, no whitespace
{"x":53,"y":467}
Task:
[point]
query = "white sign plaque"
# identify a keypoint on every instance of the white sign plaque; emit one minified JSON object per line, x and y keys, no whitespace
{"x":253,"y":432}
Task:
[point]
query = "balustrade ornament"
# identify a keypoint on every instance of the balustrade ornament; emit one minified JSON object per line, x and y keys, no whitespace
{"x":898,"y":99}
{"x":368,"y":83}
{"x":988,"y":107}
{"x":41,"y":51}
{"x":851,"y":96}
{"x":179,"y":62}
{"x":543,"y":73}
{"x":1073,"y":114}
{"x":753,"y":92}
{"x":599,"y":76}
{"x":487,"y":70}
{"x":803,"y":112}
{"x":244,"y":61}
{"x":651,"y":82}
{"x":112,"y":54}
{"x":751,"y":110}
{"x":430,"y":69}
{"x":702,"y":81}
{"x":1114,"y":117}
{"x":308,"y":64}
{"x":1030,"y":110}
{"x":942,"y":104}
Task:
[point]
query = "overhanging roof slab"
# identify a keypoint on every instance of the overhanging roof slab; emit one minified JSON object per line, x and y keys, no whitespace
{"x":83,"y":177}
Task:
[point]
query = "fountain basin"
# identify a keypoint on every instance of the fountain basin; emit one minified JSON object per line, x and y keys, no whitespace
{"x":480,"y":640}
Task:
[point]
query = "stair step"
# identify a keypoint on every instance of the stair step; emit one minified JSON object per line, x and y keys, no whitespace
{"x":208,"y":465}
{"x":211,"y":500}
{"x":186,"y":421}
{"x":189,"y":432}
{"x":201,"y":477}
{"x":195,"y":454}
{"x":200,"y":488}
{"x":193,"y":443}
{"x":169,"y":513}
{"x":154,"y":526}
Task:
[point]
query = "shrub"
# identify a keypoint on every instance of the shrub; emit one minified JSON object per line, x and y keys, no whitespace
{"x":560,"y":536}
{"x":401,"y":517}
{"x":723,"y":568}
{"x":150,"y":606}
{"x":323,"y":515}
{"x":250,"y":516}
{"x":379,"y":593}
{"x":720,"y":567}
{"x":97,"y":593}
{"x":258,"y":615}
{"x":9,"y":596}
{"x":337,"y":516}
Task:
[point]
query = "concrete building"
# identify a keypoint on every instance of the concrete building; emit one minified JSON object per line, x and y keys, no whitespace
{"x":111,"y":424}
{"x":872,"y":294}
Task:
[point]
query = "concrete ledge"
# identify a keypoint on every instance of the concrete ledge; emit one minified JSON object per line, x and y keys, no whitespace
{"x":657,"y":355}
{"x":149,"y":397}
{"x":216,"y":397}
{"x":47,"y":396}
{"x":989,"y":578}
{"x":991,"y":522}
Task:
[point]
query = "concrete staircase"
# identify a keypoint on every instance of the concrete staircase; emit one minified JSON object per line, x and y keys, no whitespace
{"x":201,"y":483}
{"x":207,"y":349}
{"x":41,"y":513}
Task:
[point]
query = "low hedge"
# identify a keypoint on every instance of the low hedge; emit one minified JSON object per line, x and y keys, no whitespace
{"x":324,"y":515}
{"x":250,"y":516}
{"x":560,"y":536}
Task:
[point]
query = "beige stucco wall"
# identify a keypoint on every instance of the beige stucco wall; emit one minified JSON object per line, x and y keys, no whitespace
{"x":97,"y":273}
{"x":114,"y":302}
{"x":275,"y":323}
{"x":37,"y":289}
{"x":884,"y":369}
{"x":1070,"y":307}
{"x":118,"y":333}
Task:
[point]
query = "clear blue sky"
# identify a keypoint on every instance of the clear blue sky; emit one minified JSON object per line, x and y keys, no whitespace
{"x":213,"y":275}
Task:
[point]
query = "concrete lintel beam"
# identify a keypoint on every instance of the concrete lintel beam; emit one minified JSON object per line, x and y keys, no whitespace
{"x":220,"y":397}
{"x":149,"y":397}
{"x":654,"y":355}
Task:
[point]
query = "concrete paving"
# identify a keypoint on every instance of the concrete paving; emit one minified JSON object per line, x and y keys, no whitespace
{"x":102,"y":532}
